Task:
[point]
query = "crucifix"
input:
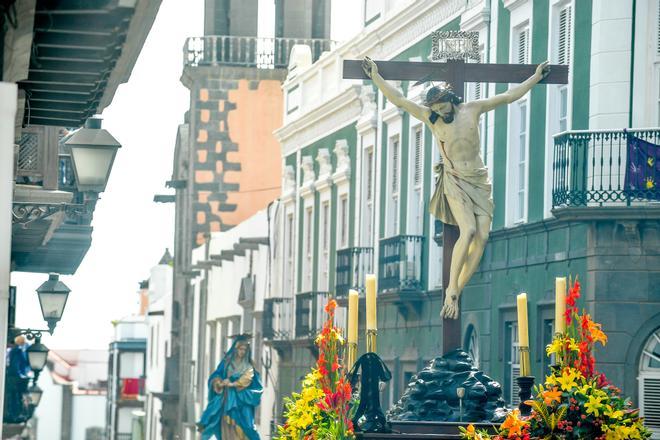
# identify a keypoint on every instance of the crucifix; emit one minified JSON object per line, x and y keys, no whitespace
{"x":463,"y":196}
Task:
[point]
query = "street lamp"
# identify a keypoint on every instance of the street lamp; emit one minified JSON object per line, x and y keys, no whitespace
{"x":37,"y":355}
{"x":34,"y":394}
{"x":53,"y":294}
{"x":93,"y":151}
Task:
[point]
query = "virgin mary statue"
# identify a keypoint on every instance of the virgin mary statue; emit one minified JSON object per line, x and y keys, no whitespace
{"x":234,"y":392}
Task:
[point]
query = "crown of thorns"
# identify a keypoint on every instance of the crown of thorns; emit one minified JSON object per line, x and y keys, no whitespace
{"x":439,"y":93}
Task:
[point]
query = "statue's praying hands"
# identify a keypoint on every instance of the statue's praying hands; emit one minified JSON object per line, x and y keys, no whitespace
{"x":463,"y":195}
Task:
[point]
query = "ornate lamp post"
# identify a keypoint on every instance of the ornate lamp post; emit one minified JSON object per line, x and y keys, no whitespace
{"x":53,"y":294}
{"x":93,"y":152}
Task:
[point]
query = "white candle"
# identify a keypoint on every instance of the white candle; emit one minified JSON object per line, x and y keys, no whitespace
{"x":560,"y":305}
{"x":371,"y":302}
{"x":352,"y":331}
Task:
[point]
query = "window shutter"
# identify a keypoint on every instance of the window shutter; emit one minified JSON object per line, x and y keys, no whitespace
{"x":515,"y":389}
{"x":650,"y":401}
{"x":417,"y":179}
{"x":395,"y":166}
{"x":523,"y":43}
{"x":370,"y":171}
{"x":564,"y":50}
{"x":658,"y":31}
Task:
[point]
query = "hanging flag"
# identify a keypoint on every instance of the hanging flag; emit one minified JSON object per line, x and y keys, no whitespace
{"x":643,"y":169}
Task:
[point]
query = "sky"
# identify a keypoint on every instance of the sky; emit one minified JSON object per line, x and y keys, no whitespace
{"x":131,"y":232}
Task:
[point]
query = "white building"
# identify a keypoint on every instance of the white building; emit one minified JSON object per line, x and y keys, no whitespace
{"x":73,"y":404}
{"x":159,"y":319}
{"x":229,"y":295}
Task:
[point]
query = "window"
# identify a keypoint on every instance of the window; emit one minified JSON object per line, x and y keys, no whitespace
{"x":649,"y":383}
{"x":522,"y":46}
{"x":521,"y":168}
{"x":512,"y":363}
{"x":393,"y":211}
{"x":415,"y":201}
{"x":343,"y":221}
{"x":325,"y":246}
{"x":288,"y":288}
{"x":372,"y":10}
{"x":368,"y":199}
{"x":564,"y":35}
{"x":307,"y":251}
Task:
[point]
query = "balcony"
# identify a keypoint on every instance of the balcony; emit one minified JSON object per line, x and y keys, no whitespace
{"x":278,"y":319}
{"x":353,"y":264}
{"x":131,"y":388}
{"x":261,"y":53}
{"x":400,"y":264}
{"x":596,"y":168}
{"x":310,"y":314}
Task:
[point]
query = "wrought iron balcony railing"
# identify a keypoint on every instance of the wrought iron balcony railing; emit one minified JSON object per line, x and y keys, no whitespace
{"x":400,"y":263}
{"x":353,"y":264}
{"x":310,"y":313}
{"x":262,"y":53}
{"x":277,"y":324}
{"x":596,"y":168}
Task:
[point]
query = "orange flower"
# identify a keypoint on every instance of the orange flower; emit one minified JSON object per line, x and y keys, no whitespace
{"x":597,"y":333}
{"x":513,"y":424}
{"x":550,"y":396}
{"x":331,"y":306}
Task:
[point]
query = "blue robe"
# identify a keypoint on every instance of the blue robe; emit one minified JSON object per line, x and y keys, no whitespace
{"x":237,"y":404}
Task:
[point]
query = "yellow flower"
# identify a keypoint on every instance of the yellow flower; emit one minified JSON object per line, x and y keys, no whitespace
{"x":568,"y":379}
{"x":551,"y":380}
{"x":612,"y":413}
{"x":649,"y":183}
{"x":594,"y":406}
{"x":554,"y":347}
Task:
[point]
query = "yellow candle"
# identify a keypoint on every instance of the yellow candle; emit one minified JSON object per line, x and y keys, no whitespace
{"x":352,"y":332}
{"x":560,"y":305}
{"x":371,"y":302}
{"x":523,"y":329}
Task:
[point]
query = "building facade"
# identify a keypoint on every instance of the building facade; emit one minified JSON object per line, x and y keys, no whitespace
{"x":234,"y":73}
{"x":73,"y":405}
{"x":159,"y":327}
{"x":126,"y":380}
{"x":358,"y":176}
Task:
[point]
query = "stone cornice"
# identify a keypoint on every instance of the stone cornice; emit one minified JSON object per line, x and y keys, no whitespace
{"x":513,"y":4}
{"x":326,"y":118}
{"x":391,"y":113}
{"x":475,"y":18}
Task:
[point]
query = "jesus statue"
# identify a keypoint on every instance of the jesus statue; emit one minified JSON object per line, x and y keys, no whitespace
{"x":463,"y":195}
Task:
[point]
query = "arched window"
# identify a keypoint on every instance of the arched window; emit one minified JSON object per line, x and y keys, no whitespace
{"x":649,"y":383}
{"x":472,"y":344}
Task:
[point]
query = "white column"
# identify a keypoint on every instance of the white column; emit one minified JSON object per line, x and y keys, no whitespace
{"x":8,"y":95}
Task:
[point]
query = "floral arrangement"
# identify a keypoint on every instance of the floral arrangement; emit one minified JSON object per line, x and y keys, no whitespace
{"x":323,"y":408}
{"x":575,"y":402}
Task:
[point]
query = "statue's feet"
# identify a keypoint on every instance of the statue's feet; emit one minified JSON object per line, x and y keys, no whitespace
{"x":450,"y":308}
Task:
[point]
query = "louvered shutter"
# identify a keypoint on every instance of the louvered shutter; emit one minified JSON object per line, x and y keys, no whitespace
{"x":564,"y":49}
{"x":650,"y":402}
{"x":395,"y":166}
{"x":370,"y":171}
{"x":515,"y":389}
{"x":523,"y":46}
{"x":417,"y":179}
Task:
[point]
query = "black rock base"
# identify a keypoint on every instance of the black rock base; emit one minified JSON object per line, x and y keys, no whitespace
{"x":433,"y":394}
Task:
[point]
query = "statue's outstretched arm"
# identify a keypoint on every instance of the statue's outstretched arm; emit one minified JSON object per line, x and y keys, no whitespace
{"x":393,"y":95}
{"x":514,"y":93}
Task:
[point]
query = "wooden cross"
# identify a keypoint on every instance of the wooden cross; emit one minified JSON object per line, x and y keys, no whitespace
{"x":456,"y":72}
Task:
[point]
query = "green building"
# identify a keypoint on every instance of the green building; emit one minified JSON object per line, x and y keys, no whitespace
{"x":358,"y":176}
